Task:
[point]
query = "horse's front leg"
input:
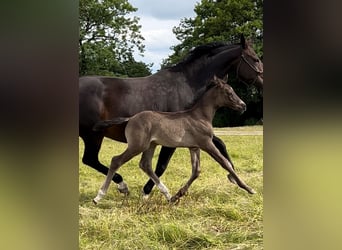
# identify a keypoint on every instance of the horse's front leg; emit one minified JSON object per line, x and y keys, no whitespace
{"x":92,"y":145}
{"x":210,"y":148}
{"x":163,"y":160}
{"x":219,"y":144}
{"x":195,"y":163}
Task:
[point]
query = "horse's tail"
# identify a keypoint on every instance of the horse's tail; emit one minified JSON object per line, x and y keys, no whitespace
{"x":101,"y":125}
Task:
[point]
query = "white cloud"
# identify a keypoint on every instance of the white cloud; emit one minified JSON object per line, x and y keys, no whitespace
{"x":158,"y":40}
{"x":157,"y":19}
{"x":165,"y":9}
{"x":158,"y":33}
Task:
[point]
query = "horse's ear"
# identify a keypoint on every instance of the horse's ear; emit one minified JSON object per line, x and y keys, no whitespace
{"x":225,"y":79}
{"x":243,"y":41}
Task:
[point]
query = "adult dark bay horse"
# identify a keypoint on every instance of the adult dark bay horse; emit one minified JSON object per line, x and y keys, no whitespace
{"x":170,"y":89}
{"x":190,"y":128}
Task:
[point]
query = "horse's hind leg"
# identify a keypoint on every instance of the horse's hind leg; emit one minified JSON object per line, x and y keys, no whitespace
{"x":195,"y":163}
{"x":117,"y":161}
{"x":146,"y":165}
{"x":215,"y":153}
{"x":163,"y":160}
{"x":92,"y":145}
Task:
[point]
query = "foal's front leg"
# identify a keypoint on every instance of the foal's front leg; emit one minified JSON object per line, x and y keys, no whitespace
{"x":213,"y":152}
{"x":195,"y":163}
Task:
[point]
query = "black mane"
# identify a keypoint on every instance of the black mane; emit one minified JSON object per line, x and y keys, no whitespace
{"x":199,"y":51}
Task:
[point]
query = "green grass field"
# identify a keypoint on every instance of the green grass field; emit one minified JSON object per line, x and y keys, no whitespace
{"x":215,"y":214}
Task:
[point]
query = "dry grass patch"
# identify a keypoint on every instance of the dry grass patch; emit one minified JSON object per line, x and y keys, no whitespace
{"x":215,"y":214}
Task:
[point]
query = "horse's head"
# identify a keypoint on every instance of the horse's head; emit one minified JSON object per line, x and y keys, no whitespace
{"x":250,"y":69}
{"x":227,"y":96}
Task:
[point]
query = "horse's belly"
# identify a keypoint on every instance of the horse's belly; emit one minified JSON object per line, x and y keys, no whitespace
{"x":116,"y":132}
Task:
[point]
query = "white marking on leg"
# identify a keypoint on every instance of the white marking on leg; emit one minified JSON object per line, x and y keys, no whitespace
{"x":99,"y":196}
{"x":164,"y":190}
{"x":145,"y":196}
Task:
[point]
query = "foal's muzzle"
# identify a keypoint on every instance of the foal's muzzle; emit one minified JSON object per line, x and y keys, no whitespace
{"x":242,"y":107}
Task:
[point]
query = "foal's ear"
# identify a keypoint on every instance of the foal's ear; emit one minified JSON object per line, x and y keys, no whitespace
{"x":225,"y":79}
{"x":243,"y":41}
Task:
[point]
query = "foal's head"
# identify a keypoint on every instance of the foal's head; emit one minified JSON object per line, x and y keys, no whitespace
{"x":226,"y":96}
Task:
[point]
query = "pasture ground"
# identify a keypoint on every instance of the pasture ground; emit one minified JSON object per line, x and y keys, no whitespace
{"x":215,"y":214}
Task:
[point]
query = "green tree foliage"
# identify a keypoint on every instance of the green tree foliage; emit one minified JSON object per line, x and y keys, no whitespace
{"x":224,"y":20}
{"x":219,"y":20}
{"x":108,"y":37}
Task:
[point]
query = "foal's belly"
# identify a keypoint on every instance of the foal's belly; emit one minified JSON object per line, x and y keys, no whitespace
{"x":174,"y":138}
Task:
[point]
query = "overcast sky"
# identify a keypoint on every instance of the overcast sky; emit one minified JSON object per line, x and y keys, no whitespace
{"x":157,"y":18}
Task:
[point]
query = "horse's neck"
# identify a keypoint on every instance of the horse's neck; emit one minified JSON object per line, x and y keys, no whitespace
{"x":199,"y":74}
{"x":205,"y":108}
{"x":226,"y":61}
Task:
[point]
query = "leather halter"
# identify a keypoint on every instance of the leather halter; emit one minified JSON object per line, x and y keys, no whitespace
{"x":257,"y":71}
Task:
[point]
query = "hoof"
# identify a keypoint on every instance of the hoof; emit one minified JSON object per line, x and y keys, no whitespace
{"x":123,"y":188}
{"x":145,"y":197}
{"x":231,"y":179}
{"x":124,"y":191}
{"x":252,"y":191}
{"x":174,"y":200}
{"x":95,"y":202}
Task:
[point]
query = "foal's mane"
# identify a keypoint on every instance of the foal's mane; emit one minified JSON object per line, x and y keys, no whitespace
{"x":199,"y":51}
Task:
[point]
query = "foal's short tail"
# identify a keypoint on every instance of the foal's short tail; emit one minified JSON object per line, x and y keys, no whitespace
{"x":101,"y":125}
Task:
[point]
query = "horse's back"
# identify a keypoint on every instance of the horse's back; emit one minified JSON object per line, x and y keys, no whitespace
{"x":102,"y":98}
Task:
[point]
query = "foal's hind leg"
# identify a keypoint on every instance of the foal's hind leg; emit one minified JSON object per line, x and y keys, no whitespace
{"x":213,"y":152}
{"x":195,"y":163}
{"x":146,"y":165}
{"x":117,"y":161}
{"x":92,"y":145}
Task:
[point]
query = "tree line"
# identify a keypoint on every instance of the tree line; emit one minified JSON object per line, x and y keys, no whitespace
{"x":109,"y":34}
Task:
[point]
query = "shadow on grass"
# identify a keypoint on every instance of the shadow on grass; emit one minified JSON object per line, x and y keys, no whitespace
{"x":85,"y":198}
